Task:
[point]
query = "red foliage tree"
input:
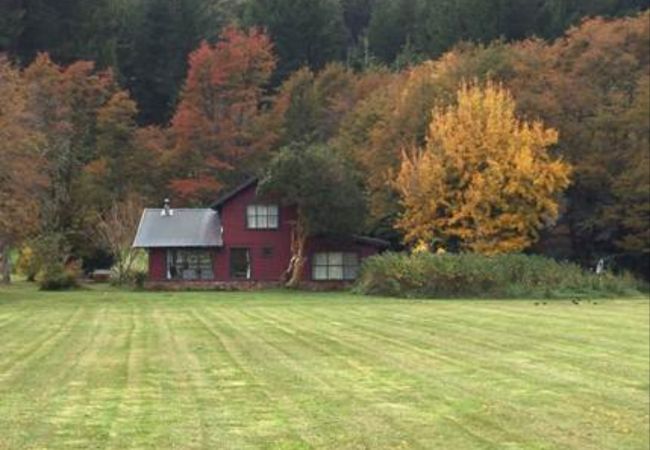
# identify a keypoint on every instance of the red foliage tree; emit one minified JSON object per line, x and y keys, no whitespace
{"x":218,"y":126}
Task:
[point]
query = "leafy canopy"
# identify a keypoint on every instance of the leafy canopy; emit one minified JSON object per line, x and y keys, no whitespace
{"x":484,"y":179}
{"x":318,"y":182}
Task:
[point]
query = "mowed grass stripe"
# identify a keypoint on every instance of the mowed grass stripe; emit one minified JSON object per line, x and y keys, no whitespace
{"x":387,"y":384}
{"x":275,"y":416}
{"x":39,"y":393}
{"x":297,"y":370}
{"x":563,"y":378}
{"x":318,"y":365}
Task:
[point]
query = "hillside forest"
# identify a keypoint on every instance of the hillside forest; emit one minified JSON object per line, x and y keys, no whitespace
{"x":470,"y":125}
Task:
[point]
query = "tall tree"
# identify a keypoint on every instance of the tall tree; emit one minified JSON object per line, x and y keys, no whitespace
{"x":22,"y":178}
{"x":484,"y":181}
{"x":304,"y":32}
{"x":217,"y":125}
{"x":65,"y":102}
{"x":154,"y":44}
{"x":392,"y":25}
{"x":589,"y":85}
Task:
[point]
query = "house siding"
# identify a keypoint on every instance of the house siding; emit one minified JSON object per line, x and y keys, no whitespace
{"x":237,"y":235}
{"x":157,"y":257}
{"x":265,"y":268}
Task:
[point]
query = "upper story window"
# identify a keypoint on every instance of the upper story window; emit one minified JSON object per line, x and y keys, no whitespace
{"x":262,"y":217}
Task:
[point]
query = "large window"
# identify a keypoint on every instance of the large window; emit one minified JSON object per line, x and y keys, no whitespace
{"x":189,"y":265}
{"x":262,"y":217}
{"x":335,"y":266}
{"x":240,"y":263}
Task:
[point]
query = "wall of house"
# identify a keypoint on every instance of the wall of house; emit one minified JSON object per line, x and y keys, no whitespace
{"x":264,"y":267}
{"x":346,"y":245}
{"x":236,"y":235}
{"x":157,"y":266}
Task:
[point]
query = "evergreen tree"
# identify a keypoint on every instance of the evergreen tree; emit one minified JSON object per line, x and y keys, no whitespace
{"x":304,"y":32}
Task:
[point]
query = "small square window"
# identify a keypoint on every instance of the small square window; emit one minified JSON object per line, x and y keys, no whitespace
{"x":262,"y":217}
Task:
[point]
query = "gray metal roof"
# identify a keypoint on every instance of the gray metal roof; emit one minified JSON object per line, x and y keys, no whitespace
{"x":184,"y":228}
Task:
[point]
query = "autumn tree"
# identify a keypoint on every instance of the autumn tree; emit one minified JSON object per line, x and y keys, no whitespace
{"x":324,"y":190}
{"x":22,"y":167}
{"x":589,"y":85}
{"x":122,"y":165}
{"x":217,"y":125}
{"x":484,"y":181}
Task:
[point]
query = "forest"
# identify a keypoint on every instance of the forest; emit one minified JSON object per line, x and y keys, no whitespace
{"x":107,"y":106}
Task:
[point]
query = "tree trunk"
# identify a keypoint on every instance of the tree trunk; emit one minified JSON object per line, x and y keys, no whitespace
{"x":297,"y":263}
{"x":6,"y":263}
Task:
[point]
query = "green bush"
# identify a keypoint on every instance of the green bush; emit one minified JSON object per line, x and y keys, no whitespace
{"x":57,"y":276}
{"x":50,"y":262}
{"x":426,"y":275}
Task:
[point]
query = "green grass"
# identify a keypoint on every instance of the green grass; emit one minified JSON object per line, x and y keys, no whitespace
{"x":111,"y":369}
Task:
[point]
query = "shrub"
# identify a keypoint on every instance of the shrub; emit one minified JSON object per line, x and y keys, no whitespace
{"x":50,"y":261}
{"x":425,"y":275}
{"x":139,"y":278}
{"x":57,"y":276}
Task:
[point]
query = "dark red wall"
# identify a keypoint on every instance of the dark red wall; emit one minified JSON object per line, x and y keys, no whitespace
{"x":236,"y":235}
{"x":157,"y":266}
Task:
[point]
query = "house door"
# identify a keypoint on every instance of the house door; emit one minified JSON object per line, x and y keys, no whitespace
{"x":240,"y":264}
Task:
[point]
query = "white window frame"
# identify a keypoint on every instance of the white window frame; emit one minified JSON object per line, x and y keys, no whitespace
{"x":334,"y":266}
{"x":262,"y":217}
{"x":183,"y":262}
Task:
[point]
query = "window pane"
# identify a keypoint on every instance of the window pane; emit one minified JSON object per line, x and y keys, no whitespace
{"x":335,"y":259}
{"x":261,"y":210}
{"x":335,"y":272}
{"x":320,"y":259}
{"x":350,"y":259}
{"x":273,"y":210}
{"x":189,"y":265}
{"x":273,"y":221}
{"x":262,"y":222}
{"x":350,"y":272}
{"x":319,"y":273}
{"x":252,"y":222}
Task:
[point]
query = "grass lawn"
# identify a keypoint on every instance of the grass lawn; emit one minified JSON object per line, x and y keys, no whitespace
{"x":110,"y":369}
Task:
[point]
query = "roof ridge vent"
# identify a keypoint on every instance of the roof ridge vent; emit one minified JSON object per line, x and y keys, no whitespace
{"x":167,"y":211}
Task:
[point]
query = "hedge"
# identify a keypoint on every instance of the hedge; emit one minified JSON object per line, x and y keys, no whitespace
{"x":426,"y":275}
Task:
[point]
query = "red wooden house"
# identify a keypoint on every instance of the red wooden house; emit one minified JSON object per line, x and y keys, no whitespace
{"x":241,"y":239}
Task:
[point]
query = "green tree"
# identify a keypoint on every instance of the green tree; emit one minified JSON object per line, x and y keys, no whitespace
{"x":304,"y":32}
{"x":392,"y":25}
{"x":324,"y":190}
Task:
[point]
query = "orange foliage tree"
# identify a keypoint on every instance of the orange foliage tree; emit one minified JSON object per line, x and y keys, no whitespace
{"x":484,"y":181}
{"x":22,"y":176}
{"x":218,"y":123}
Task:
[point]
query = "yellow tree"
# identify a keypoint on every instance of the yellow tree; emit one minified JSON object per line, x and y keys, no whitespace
{"x":484,"y":181}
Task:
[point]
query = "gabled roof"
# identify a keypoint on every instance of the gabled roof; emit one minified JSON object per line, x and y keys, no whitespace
{"x":184,"y":228}
{"x":226,"y":197}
